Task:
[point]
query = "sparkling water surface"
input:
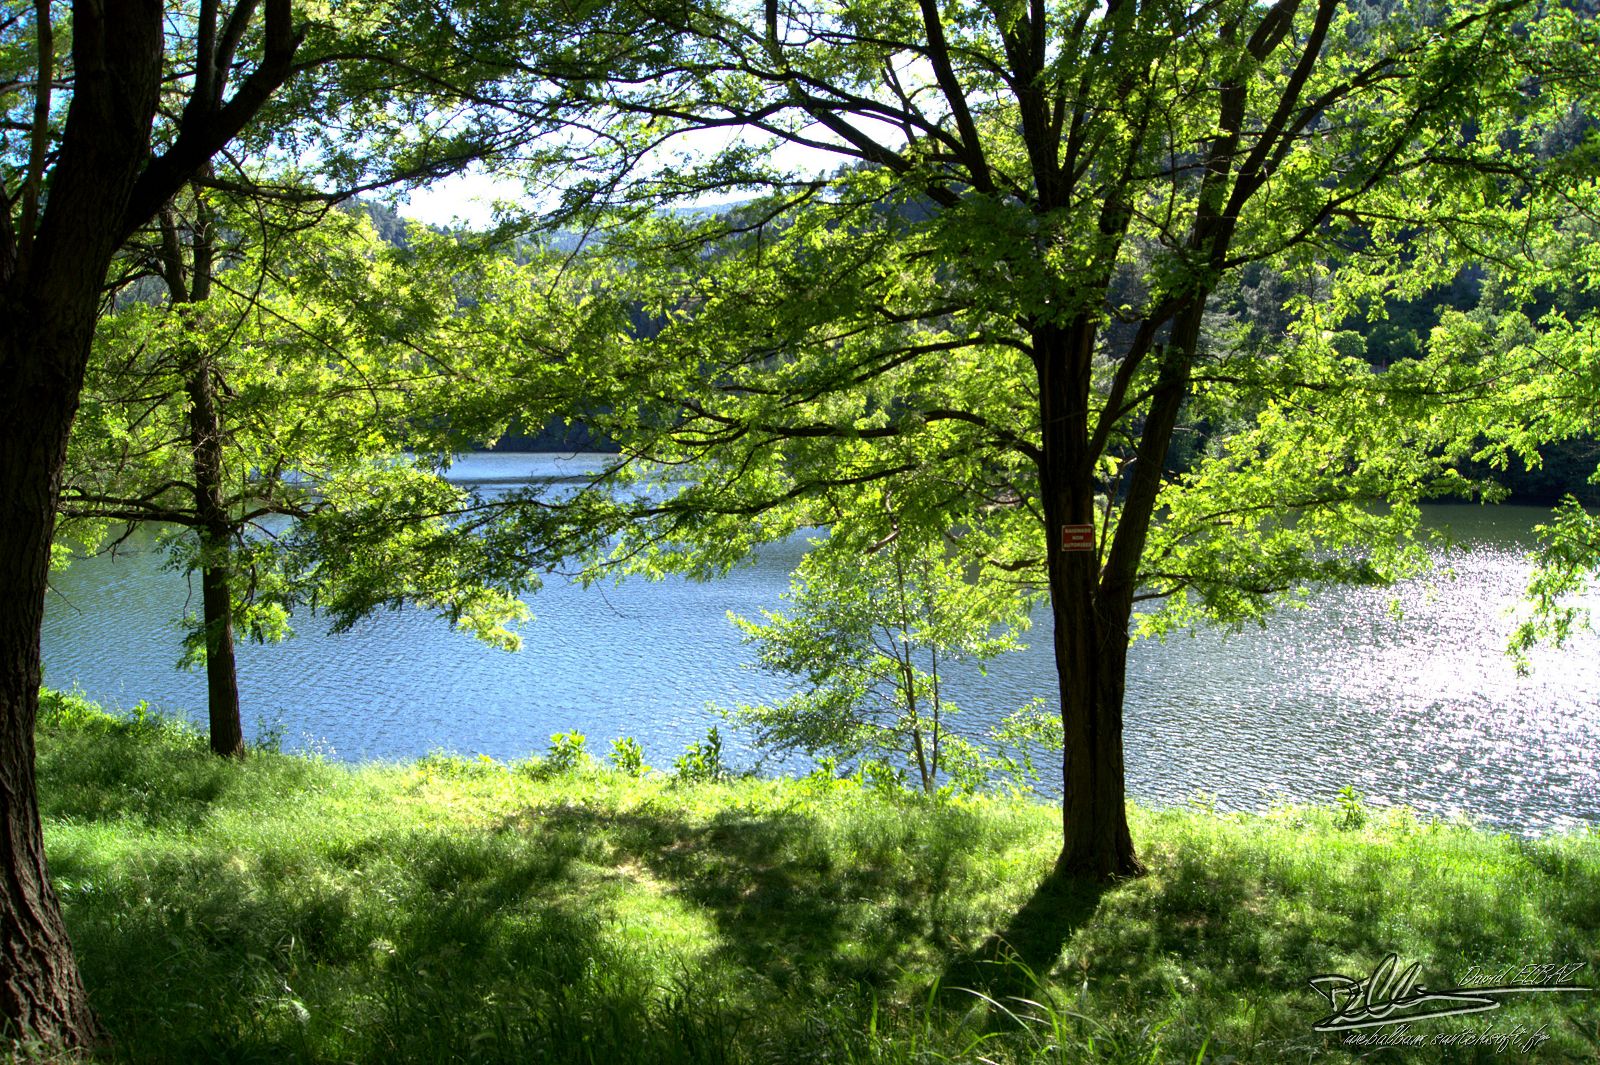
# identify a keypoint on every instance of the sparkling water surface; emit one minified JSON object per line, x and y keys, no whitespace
{"x":1418,"y":705}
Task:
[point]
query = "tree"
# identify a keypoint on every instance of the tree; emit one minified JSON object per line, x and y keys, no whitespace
{"x":290,"y":364}
{"x":1006,"y":301}
{"x":871,"y":632}
{"x":77,"y":181}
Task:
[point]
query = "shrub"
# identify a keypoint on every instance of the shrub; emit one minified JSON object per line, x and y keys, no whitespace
{"x":627,"y":756}
{"x":1352,"y":808}
{"x":702,"y":762}
{"x":566,"y":752}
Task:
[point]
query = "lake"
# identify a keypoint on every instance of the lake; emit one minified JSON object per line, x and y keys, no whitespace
{"x":1419,"y":707}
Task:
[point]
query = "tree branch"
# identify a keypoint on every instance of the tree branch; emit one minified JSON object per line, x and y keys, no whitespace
{"x":207,"y":125}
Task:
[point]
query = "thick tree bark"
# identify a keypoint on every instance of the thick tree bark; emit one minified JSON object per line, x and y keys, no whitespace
{"x":49,"y":292}
{"x":40,"y":991}
{"x":1090,"y":642}
{"x":1091,"y":592}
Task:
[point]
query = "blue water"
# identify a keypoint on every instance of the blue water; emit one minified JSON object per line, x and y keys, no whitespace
{"x":1424,"y":709}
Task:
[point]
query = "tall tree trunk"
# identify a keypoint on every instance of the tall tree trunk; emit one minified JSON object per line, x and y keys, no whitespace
{"x":222,"y":675}
{"x":41,"y":993}
{"x":49,"y":292}
{"x":1090,"y":643}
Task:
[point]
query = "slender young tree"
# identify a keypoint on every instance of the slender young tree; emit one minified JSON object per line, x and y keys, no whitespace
{"x":289,"y":363}
{"x":872,"y":626}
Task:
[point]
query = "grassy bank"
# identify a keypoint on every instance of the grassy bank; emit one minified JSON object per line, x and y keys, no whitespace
{"x":289,"y":910}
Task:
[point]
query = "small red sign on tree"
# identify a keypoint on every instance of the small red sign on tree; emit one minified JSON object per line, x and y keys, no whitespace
{"x":1077,"y":537}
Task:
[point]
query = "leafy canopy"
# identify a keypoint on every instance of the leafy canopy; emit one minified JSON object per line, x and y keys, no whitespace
{"x":346,"y":372}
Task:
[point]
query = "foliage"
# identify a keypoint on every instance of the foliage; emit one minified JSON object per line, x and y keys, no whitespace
{"x":1010,"y":294}
{"x":871,"y":634}
{"x":286,"y":412}
{"x":292,"y":910}
{"x":341,"y":115}
{"x":1551,"y":296}
{"x":627,"y":756}
{"x":566,"y":753}
{"x":1569,"y":555}
{"x":331,"y":355}
{"x":701,"y":762}
{"x":300,"y":137}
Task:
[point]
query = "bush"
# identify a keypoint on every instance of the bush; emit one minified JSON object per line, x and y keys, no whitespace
{"x":567,"y":753}
{"x":1352,"y":808}
{"x":702,"y":762}
{"x":627,"y":756}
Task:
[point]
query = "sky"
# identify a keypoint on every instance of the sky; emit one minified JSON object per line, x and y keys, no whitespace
{"x":468,"y":199}
{"x":465,"y":199}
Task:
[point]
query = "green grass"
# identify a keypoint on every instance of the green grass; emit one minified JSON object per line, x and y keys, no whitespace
{"x":288,"y":909}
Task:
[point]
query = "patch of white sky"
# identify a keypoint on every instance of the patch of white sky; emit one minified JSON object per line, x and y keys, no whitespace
{"x":468,"y":199}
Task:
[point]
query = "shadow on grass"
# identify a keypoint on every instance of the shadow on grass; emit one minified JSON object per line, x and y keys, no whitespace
{"x":431,"y":945}
{"x":1014,"y":958}
{"x":411,"y":945}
